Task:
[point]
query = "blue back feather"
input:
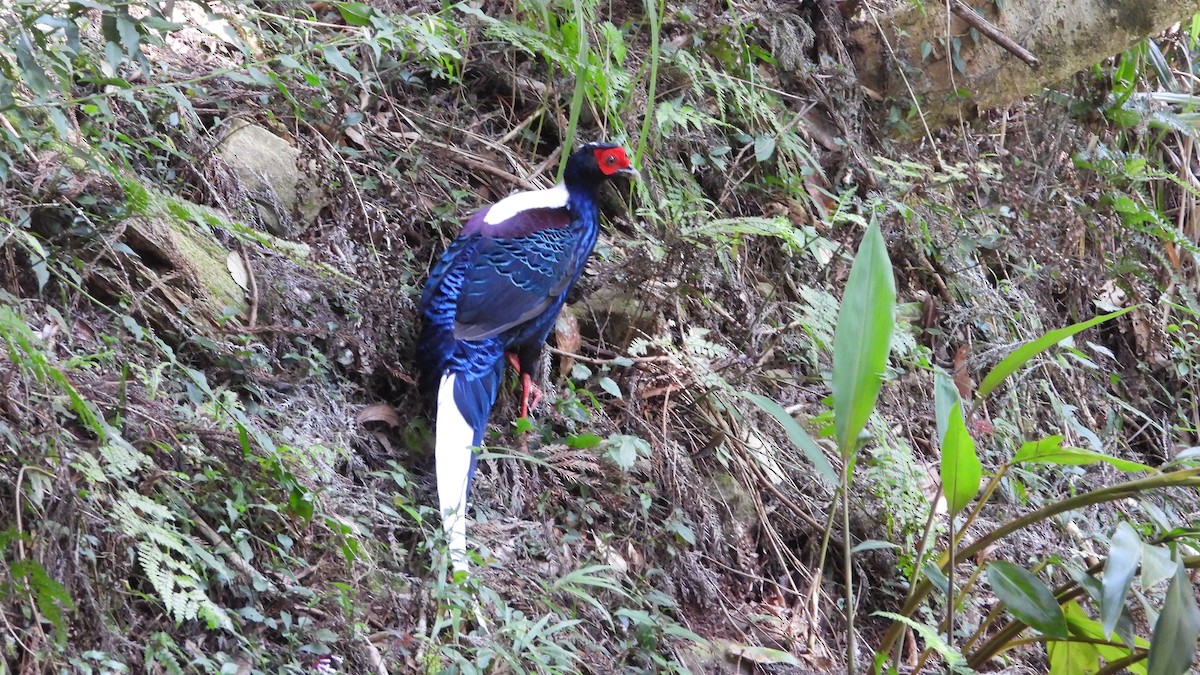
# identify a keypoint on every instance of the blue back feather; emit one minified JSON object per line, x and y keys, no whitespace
{"x":488,"y":295}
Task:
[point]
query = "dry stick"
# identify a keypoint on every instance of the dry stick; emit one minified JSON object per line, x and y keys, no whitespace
{"x":541,"y":110}
{"x":993,"y":33}
{"x":235,"y":561}
{"x":252,"y":287}
{"x":461,"y":158}
{"x":21,"y":547}
{"x":607,"y":362}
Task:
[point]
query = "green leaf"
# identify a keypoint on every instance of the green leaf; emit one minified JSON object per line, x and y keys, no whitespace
{"x":1173,"y":644}
{"x":1027,"y":598}
{"x":1083,"y":626}
{"x":334,"y":58}
{"x":1124,"y":552}
{"x":300,"y":502}
{"x":1030,"y":349}
{"x":31,"y":72}
{"x":1157,"y":564}
{"x":624,"y":450}
{"x":1050,"y":451}
{"x":945,"y":397}
{"x":131,"y":40}
{"x":961,"y":469}
{"x":873,"y":545}
{"x":862,"y":339}
{"x":610,"y":386}
{"x":356,"y":13}
{"x":953,"y":658}
{"x":582,"y":441}
{"x":764,"y":147}
{"x":1072,"y":658}
{"x":799,"y":437}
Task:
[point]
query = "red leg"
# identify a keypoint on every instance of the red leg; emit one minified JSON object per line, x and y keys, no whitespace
{"x":531,"y":394}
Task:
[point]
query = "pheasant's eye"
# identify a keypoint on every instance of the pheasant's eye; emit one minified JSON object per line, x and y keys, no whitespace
{"x":610,"y":160}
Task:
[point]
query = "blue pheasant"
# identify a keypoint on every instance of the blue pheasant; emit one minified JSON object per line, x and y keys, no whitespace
{"x":495,"y":295}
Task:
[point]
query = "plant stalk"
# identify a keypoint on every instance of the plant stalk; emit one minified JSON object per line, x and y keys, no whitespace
{"x":847,"y":562}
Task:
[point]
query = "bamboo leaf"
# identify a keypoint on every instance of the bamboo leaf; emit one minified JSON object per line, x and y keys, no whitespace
{"x":1125,"y":550}
{"x":1030,"y":349}
{"x":1173,"y":645}
{"x":862,"y":339}
{"x":1027,"y":598}
{"x":961,"y":469}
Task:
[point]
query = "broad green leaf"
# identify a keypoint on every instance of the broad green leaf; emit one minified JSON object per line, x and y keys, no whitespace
{"x":31,"y":71}
{"x":130,"y":38}
{"x":624,"y":450}
{"x":1027,"y":598}
{"x":1173,"y":645}
{"x":1083,"y":626}
{"x":356,"y":13}
{"x":799,"y":437}
{"x":1034,"y":347}
{"x":961,"y":469}
{"x":945,"y":396}
{"x":582,"y":441}
{"x":335,"y":58}
{"x":862,"y":339}
{"x":675,"y":630}
{"x":1050,"y":451}
{"x":1124,"y":553}
{"x":1068,"y":657}
{"x":611,"y":387}
{"x":936,"y":577}
{"x":1157,"y":564}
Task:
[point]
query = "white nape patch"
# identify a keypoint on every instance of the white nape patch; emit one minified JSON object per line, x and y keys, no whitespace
{"x":553,"y":198}
{"x":452,"y":450}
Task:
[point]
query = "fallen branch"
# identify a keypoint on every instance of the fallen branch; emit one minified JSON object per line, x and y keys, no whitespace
{"x":993,"y":33}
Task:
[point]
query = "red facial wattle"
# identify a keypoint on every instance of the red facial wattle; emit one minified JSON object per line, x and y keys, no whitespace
{"x":611,"y":160}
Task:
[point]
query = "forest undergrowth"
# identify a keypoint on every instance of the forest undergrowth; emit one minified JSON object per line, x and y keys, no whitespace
{"x":217,"y":219}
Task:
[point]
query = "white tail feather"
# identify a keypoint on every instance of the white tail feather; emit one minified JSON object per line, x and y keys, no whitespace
{"x":452,"y":450}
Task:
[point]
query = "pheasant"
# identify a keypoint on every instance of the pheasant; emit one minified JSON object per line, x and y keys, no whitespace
{"x":493,"y":297}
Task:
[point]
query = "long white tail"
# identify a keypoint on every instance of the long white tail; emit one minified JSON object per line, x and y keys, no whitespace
{"x":452,"y":450}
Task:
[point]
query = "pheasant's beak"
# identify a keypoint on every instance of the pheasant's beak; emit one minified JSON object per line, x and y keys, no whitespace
{"x":630,"y":173}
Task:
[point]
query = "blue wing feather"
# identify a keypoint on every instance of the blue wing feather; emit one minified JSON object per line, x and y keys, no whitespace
{"x":499,"y":287}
